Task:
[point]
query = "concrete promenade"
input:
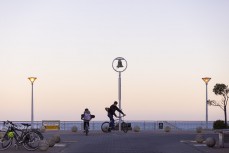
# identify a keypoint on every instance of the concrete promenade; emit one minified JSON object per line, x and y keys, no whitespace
{"x":131,"y":142}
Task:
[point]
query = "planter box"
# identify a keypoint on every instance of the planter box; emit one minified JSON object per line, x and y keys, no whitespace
{"x":223,"y":137}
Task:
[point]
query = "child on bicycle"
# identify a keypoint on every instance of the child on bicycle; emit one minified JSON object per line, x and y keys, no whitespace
{"x":86,"y":117}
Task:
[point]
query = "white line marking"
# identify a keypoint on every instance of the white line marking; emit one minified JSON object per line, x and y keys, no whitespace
{"x":60,"y":145}
{"x":200,"y":145}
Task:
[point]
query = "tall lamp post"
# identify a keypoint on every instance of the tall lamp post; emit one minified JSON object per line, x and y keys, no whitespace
{"x":32,"y":79}
{"x":206,"y":80}
{"x":119,"y":64}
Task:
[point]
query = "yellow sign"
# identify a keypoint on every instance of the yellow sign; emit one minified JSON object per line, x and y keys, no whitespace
{"x":51,"y":124}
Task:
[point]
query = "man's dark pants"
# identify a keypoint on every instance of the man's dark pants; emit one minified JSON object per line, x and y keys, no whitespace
{"x":111,"y":120}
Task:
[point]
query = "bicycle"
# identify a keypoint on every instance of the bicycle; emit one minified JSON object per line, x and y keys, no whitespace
{"x":86,"y":127}
{"x":29,"y":139}
{"x":105,"y":127}
{"x":87,"y":123}
{"x":37,"y":131}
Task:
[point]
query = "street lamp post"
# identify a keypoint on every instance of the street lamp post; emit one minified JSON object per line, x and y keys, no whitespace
{"x":32,"y":79}
{"x":206,"y":80}
{"x":119,"y":64}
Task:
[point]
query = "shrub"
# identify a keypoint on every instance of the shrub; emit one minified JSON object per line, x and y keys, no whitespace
{"x":219,"y":124}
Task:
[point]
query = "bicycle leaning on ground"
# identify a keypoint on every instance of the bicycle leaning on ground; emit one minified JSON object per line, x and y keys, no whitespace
{"x":105,"y":127}
{"x":28,"y":138}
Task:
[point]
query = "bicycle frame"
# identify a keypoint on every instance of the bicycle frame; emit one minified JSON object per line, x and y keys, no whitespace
{"x":18,"y":138}
{"x":105,"y":127}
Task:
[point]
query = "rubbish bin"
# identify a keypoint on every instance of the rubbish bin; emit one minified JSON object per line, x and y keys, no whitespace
{"x":160,"y":125}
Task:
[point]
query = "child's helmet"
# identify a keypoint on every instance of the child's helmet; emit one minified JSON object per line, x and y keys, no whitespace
{"x":10,"y":134}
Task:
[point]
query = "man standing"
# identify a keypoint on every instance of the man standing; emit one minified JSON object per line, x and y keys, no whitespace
{"x":111,"y":113}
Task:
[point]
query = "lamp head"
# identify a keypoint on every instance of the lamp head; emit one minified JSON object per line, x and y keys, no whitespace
{"x":206,"y":79}
{"x":32,"y":79}
{"x":119,"y":63}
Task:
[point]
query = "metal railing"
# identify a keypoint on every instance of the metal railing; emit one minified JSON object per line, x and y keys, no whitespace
{"x":144,"y":125}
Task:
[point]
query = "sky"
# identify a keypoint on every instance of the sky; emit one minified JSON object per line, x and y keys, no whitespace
{"x":69,"y":45}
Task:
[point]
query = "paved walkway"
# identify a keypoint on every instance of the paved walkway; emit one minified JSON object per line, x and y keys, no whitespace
{"x":131,"y":142}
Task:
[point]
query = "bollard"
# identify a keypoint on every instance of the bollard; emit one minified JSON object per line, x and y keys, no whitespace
{"x":42,"y":129}
{"x":167,"y":129}
{"x":199,"y":138}
{"x":43,"y":145}
{"x":74,"y":129}
{"x":136,"y":128}
{"x":51,"y":142}
{"x":210,"y":142}
{"x":199,"y":129}
{"x":56,"y":137}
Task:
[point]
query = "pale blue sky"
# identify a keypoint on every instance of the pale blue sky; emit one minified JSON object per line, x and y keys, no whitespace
{"x":69,"y":46}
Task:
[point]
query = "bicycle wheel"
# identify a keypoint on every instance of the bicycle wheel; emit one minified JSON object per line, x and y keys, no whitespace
{"x":31,"y":141}
{"x":124,"y":127}
{"x":105,"y":127}
{"x":38,"y":133}
{"x":5,"y":141}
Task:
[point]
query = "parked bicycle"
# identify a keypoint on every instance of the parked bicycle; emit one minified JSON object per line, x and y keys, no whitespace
{"x":105,"y":127}
{"x":37,"y":131}
{"x":28,"y":138}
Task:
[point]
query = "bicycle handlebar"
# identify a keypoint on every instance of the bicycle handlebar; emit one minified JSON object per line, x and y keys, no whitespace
{"x":9,"y":122}
{"x":85,"y":120}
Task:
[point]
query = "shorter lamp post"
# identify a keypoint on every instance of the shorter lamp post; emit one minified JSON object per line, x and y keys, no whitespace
{"x":32,"y":79}
{"x":119,"y":64}
{"x":206,"y":80}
